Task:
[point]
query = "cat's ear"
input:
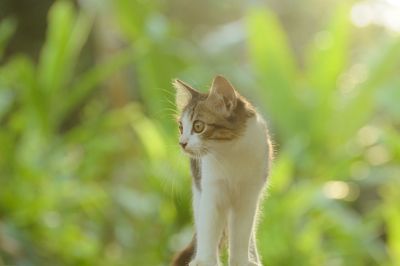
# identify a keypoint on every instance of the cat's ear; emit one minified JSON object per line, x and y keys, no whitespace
{"x":184,"y":93}
{"x":222,"y":96}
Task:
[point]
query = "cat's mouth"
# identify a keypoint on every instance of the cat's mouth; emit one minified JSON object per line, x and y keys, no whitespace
{"x":195,"y":153}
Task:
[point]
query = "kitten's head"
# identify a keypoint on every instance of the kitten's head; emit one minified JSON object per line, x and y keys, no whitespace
{"x":209,"y":118}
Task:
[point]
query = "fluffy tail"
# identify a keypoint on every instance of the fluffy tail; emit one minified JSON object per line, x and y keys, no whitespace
{"x":185,"y":256}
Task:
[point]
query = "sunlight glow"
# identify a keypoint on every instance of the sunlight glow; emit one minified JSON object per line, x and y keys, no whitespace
{"x":349,"y":80}
{"x":368,"y":136}
{"x":336,"y":189}
{"x":378,"y":155}
{"x":385,"y":13}
{"x":362,"y":15}
{"x":341,"y":190}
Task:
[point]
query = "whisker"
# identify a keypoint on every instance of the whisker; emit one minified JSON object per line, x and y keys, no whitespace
{"x":170,"y":92}
{"x":170,"y":105}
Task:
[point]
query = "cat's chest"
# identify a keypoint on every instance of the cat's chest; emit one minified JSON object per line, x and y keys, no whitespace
{"x":234,"y":168}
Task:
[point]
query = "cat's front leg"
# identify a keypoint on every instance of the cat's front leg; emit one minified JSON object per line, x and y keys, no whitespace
{"x":203,"y":263}
{"x":242,"y":247}
{"x":209,"y":227}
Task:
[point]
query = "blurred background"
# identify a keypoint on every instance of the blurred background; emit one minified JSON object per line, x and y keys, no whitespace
{"x":90,"y":169}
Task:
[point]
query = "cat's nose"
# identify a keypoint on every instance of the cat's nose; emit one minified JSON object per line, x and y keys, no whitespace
{"x":183,"y":144}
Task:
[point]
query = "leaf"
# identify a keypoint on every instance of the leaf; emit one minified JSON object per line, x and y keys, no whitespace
{"x":326,"y":61}
{"x":7,"y":29}
{"x":150,"y":137}
{"x":85,"y":84}
{"x":328,"y":54}
{"x":67,"y":32}
{"x":274,"y":63}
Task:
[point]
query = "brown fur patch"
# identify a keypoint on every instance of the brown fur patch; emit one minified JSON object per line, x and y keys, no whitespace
{"x":195,"y":167}
{"x":184,"y":257}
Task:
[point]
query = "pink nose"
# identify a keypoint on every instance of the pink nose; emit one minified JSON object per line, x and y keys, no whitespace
{"x":183,"y":144}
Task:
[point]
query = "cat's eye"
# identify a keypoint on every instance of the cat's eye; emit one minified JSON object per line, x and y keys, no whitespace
{"x":180,"y":127}
{"x":198,"y":126}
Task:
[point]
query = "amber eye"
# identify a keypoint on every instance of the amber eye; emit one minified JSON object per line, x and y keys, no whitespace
{"x":180,"y":127}
{"x":198,"y":126}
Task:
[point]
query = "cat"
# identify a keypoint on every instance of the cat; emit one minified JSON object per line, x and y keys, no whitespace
{"x":230,"y":155}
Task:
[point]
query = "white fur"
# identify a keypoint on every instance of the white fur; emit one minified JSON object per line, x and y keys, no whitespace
{"x":233,"y":174}
{"x":193,"y":141}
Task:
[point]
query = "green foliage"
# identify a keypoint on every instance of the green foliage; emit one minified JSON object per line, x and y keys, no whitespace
{"x":84,"y":183}
{"x":321,"y":121}
{"x":7,"y":28}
